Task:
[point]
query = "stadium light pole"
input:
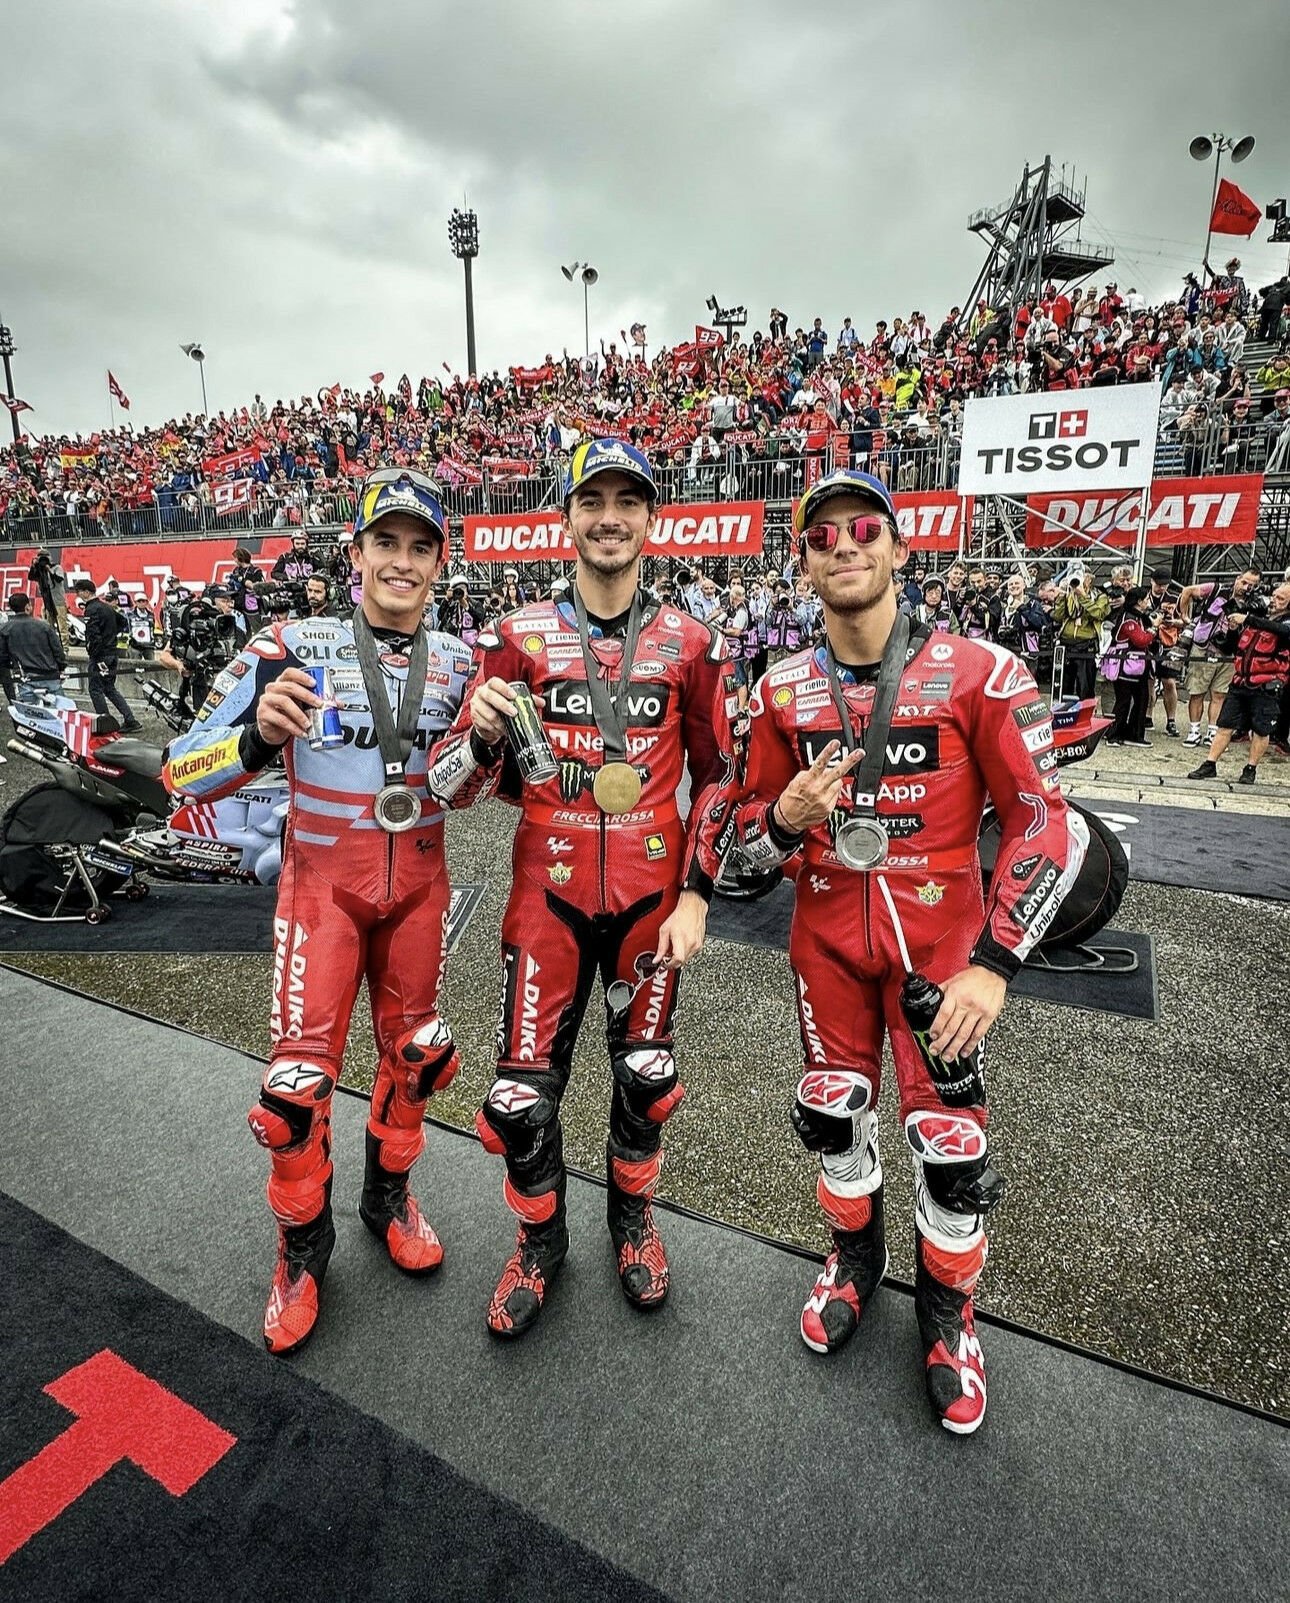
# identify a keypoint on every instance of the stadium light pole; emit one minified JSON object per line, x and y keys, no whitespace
{"x":589,"y":277}
{"x":7,"y":348}
{"x":463,"y":236}
{"x":194,"y":349}
{"x":1201,"y":149}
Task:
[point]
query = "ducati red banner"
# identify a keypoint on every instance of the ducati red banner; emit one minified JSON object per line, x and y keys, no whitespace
{"x":728,"y":529}
{"x":142,"y":568}
{"x":931,"y":520}
{"x":1215,"y":511}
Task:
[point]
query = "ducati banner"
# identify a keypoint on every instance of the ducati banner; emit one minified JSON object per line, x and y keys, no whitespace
{"x":931,"y":520}
{"x":727,"y":529}
{"x":1218,"y":511}
{"x":142,"y":568}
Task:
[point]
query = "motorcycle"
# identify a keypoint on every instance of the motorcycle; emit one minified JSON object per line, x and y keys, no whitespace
{"x":236,"y":840}
{"x":1078,"y":729}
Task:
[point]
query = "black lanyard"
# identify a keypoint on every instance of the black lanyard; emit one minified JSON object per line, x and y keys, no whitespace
{"x":610,"y":713}
{"x":395,"y":743}
{"x":896,"y":653}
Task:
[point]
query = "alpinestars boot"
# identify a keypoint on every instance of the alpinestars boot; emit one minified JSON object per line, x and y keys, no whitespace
{"x":953,"y":1363}
{"x":390,"y":1212}
{"x":529,"y":1274}
{"x":642,"y":1259}
{"x":852,"y":1273}
{"x":303,"y":1254}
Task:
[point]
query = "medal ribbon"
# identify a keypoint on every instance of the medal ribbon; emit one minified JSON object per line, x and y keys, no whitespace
{"x":896,"y":653}
{"x":609,"y":712}
{"x":395,"y":742}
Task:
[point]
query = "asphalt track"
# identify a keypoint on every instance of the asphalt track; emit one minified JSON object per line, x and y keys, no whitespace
{"x":702,"y":1451}
{"x":1146,"y":1156}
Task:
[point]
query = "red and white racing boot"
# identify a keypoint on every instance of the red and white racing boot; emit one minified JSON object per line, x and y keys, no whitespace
{"x":852,"y":1273}
{"x":642,"y":1259}
{"x":292,"y":1309}
{"x":954,"y":1365}
{"x":529,"y":1274}
{"x":390,"y":1212}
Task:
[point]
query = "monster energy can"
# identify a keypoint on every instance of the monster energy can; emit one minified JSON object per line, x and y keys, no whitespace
{"x":528,"y":738}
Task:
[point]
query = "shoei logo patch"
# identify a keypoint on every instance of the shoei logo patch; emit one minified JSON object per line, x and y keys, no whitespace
{"x":1059,"y":426}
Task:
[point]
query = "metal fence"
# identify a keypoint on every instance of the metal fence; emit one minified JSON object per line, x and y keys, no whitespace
{"x":733,"y":473}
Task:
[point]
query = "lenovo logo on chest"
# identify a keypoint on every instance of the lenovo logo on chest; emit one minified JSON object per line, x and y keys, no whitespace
{"x":568,"y":701}
{"x":911,"y":749}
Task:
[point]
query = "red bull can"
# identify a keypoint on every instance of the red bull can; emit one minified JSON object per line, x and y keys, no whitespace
{"x":325,"y":730}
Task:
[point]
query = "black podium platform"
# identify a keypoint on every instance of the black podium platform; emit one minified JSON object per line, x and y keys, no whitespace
{"x":702,"y":1451}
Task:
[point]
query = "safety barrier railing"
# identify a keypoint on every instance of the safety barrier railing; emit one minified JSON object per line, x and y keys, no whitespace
{"x":776,"y":473}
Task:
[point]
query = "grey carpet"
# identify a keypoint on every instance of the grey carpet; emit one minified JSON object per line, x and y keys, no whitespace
{"x":1242,"y":854}
{"x":703,"y":1450}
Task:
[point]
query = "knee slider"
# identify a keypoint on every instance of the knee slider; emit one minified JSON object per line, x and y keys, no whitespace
{"x":292,"y":1094}
{"x":516,"y":1118}
{"x":428,"y":1051}
{"x":955,"y":1182}
{"x":646,"y":1079}
{"x":829,"y":1109}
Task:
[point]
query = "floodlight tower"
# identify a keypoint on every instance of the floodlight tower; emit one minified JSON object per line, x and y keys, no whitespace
{"x":463,"y":236}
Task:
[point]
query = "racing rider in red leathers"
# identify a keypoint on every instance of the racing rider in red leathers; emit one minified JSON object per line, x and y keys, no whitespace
{"x":353,"y":900}
{"x":967,"y":720}
{"x":603,"y":879}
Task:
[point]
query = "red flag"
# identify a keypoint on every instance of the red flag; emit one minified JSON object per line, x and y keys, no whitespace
{"x":377,"y":378}
{"x":118,"y":394}
{"x":708,"y":339}
{"x":1234,"y":211}
{"x":15,"y":405}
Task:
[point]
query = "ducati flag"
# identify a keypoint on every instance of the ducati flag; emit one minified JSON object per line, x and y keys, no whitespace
{"x":15,"y":405}
{"x":118,"y":394}
{"x":1234,"y":211}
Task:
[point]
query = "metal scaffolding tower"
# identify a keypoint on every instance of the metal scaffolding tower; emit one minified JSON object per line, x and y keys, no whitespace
{"x":1034,"y":240}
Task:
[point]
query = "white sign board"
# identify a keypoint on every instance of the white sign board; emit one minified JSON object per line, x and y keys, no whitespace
{"x":1103,"y":439}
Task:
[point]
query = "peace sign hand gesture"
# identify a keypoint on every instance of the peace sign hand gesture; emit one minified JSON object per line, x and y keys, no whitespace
{"x":809,"y":797}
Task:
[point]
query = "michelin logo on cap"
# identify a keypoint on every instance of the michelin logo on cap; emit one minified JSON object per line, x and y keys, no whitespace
{"x":600,"y":456}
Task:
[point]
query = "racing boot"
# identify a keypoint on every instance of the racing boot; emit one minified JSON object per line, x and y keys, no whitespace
{"x":852,"y":1273}
{"x":530,"y":1272}
{"x":303,"y":1254}
{"x":954,"y":1366}
{"x":390,"y":1212}
{"x":642,"y":1260}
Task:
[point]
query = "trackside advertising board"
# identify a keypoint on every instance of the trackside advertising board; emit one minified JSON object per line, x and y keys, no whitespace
{"x":726,"y":529}
{"x":142,"y":567}
{"x":1069,"y":440}
{"x":1219,"y":511}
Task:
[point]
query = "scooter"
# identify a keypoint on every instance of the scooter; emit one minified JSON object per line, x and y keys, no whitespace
{"x":236,"y":840}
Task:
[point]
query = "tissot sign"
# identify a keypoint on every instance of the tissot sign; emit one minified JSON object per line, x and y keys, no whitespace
{"x":1067,"y":440}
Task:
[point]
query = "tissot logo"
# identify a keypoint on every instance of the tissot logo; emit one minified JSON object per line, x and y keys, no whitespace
{"x":1059,"y":426}
{"x":1058,"y":458}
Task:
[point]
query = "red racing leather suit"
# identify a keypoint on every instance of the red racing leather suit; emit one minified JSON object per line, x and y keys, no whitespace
{"x":353,"y":901}
{"x":968,"y":721}
{"x":590,"y":891}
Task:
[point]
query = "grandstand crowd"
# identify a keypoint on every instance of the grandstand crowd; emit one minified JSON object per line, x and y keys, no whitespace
{"x":744,"y":419}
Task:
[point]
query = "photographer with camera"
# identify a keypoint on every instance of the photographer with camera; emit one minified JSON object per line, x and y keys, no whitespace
{"x":102,"y":646}
{"x":206,"y":637}
{"x":293,"y":567}
{"x":1078,"y":615}
{"x":1260,"y":673}
{"x":1208,"y":612}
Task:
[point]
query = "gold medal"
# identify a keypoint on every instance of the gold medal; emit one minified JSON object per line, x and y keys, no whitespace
{"x":616,"y":787}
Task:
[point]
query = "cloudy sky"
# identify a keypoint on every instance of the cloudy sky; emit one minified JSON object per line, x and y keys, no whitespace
{"x":275,"y":178}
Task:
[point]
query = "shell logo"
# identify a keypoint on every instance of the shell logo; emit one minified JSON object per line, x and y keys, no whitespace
{"x":533,"y":644}
{"x":783,"y":696}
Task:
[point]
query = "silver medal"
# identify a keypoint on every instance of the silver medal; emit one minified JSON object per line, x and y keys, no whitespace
{"x":861,"y":843}
{"x":396,"y":808}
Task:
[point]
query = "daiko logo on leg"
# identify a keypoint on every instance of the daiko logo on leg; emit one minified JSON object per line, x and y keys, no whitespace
{"x":1059,"y":426}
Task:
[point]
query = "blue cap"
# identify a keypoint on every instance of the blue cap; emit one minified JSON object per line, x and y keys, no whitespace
{"x":845,"y":481}
{"x":606,"y":456}
{"x":400,"y":490}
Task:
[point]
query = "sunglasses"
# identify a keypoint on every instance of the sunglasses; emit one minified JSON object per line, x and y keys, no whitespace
{"x":423,"y":481}
{"x":824,"y":536}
